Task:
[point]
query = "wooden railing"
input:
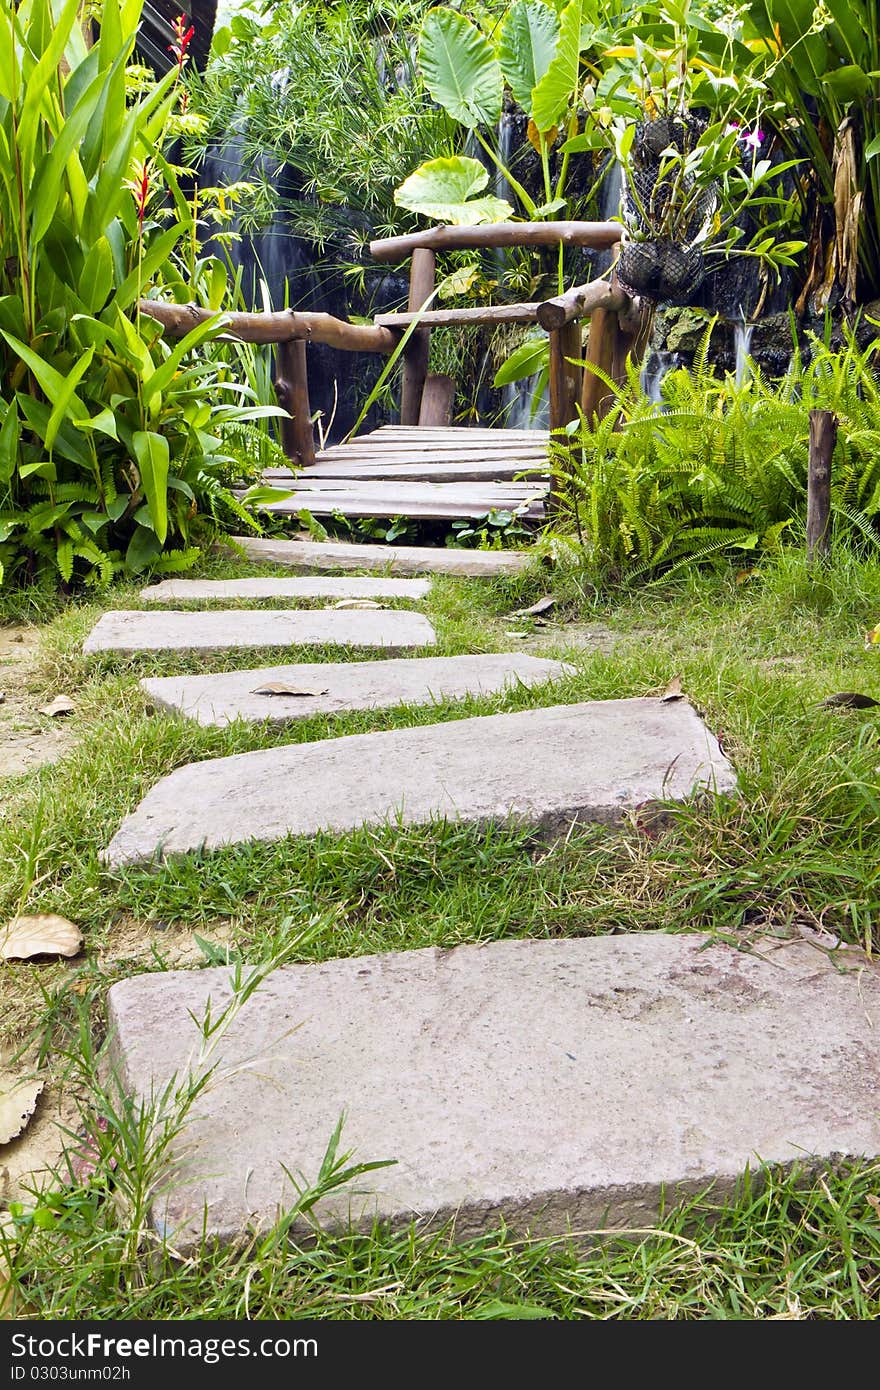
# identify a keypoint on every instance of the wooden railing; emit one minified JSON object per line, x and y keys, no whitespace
{"x":426,"y":399}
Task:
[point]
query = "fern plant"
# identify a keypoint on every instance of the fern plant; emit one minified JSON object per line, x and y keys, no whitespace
{"x":721,"y":468}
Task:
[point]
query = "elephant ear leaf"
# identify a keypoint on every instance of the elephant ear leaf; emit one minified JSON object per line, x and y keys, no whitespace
{"x":443,"y":190}
{"x":527,"y":47}
{"x":460,"y":69}
{"x":556,"y":88}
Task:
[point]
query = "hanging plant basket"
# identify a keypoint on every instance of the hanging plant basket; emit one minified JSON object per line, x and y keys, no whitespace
{"x":661,"y":270}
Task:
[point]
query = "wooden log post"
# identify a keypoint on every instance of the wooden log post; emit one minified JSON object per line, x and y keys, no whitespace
{"x":417,"y":351}
{"x":437,"y":399}
{"x":823,"y":437}
{"x":292,"y":390}
{"x":596,"y":396}
{"x":565,"y":374}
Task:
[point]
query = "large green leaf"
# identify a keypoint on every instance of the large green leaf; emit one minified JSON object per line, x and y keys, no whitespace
{"x":9,"y":437}
{"x":525,"y":361}
{"x":96,"y":280}
{"x":61,"y":405}
{"x":51,"y":382}
{"x":151,"y":452}
{"x":460,"y":68}
{"x":527,"y":47}
{"x":442,"y":189}
{"x":557,"y":87}
{"x":50,"y":173}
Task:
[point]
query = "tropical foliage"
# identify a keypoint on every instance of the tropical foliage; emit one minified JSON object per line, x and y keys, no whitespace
{"x":721,"y":471}
{"x":110,"y":438}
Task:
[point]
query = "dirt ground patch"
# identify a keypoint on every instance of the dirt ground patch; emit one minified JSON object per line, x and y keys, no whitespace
{"x":28,"y":739}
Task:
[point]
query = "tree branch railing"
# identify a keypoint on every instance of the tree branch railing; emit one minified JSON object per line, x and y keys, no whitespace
{"x":426,"y":399}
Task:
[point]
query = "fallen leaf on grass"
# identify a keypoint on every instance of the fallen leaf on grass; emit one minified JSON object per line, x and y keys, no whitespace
{"x":511,"y":633}
{"x":849,"y":699}
{"x":43,"y":934}
{"x":18,"y":1101}
{"x":359,"y":603}
{"x":279,"y":688}
{"x":61,"y":705}
{"x":543,"y":605}
{"x":872,"y":638}
{"x":673,"y":691}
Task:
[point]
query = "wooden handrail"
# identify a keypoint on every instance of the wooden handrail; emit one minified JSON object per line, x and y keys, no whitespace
{"x":579,"y":302}
{"x":598,"y":235}
{"x":282,"y":326}
{"x":444,"y":318}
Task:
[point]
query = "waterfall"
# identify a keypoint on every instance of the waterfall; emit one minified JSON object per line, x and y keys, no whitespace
{"x":654,"y":368}
{"x":742,"y":341}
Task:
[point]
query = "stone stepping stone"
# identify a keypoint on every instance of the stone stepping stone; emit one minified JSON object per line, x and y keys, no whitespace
{"x":545,"y":767}
{"x":301,"y":586}
{"x":329,"y":688}
{"x":134,"y":631}
{"x":554,"y":1084}
{"x":390,"y":559}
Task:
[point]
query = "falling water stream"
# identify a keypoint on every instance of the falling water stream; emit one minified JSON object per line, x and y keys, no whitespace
{"x":742,"y":341}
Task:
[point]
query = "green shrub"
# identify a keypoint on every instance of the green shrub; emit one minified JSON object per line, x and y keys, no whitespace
{"x":109,"y":436}
{"x":720,"y":471}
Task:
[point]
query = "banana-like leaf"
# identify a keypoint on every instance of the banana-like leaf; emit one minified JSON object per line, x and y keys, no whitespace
{"x":66,"y":396}
{"x":460,"y":69}
{"x":442,"y":189}
{"x":527,"y":47}
{"x":51,"y":382}
{"x":96,"y":280}
{"x":151,"y":452}
{"x":9,"y":437}
{"x":554,"y":92}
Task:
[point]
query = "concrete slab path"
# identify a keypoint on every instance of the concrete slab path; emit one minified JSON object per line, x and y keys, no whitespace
{"x":554,"y":1084}
{"x":283,"y":693}
{"x":544,"y":767}
{"x":136,"y":630}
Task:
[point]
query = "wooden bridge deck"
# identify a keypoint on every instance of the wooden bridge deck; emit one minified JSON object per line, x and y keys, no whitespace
{"x":447,"y":473}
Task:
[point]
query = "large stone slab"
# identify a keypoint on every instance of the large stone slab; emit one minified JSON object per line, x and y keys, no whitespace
{"x":130,"y":631}
{"x":388,"y":559}
{"x":554,"y":1084}
{"x":331,"y":687}
{"x":546,"y":767}
{"x":297,"y":587}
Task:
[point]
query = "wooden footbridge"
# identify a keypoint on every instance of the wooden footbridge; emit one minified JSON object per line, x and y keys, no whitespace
{"x":425,"y":467}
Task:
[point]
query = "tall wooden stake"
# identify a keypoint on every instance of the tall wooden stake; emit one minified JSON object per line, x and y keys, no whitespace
{"x":417,"y":351}
{"x":823,"y":437}
{"x":292,"y":390}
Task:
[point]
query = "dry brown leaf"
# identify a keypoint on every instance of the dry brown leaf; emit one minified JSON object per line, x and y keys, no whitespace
{"x":43,"y":934}
{"x":673,"y":691}
{"x":18,"y":1101}
{"x":279,"y":688}
{"x":61,"y":705}
{"x":359,"y":603}
{"x":849,"y":699}
{"x":534,"y":136}
{"x":874,"y":1202}
{"x":543,"y":605}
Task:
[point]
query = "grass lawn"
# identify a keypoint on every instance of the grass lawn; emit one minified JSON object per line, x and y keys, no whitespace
{"x":798,"y":854}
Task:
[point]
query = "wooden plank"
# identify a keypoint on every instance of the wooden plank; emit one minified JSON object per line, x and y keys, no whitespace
{"x":355,"y":505}
{"x":449,"y":472}
{"x":379,"y":487}
{"x":492,"y":458}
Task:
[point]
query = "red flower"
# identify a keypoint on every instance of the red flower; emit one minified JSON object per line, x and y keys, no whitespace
{"x":183,"y":37}
{"x":141,"y":192}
